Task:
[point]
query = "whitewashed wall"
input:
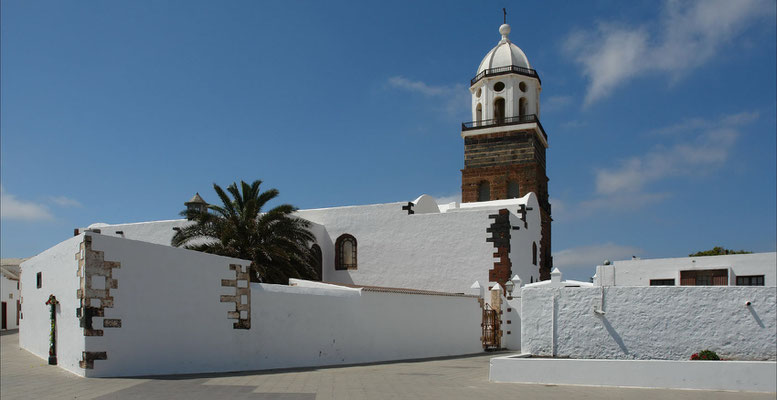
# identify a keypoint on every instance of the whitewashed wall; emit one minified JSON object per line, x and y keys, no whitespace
{"x":639,"y":272}
{"x":9,"y":294}
{"x":433,"y":251}
{"x":59,"y":272}
{"x":650,"y":322}
{"x":429,"y":250}
{"x":172,"y":320}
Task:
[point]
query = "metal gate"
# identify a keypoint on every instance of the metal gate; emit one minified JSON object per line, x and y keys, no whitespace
{"x":492,"y":335}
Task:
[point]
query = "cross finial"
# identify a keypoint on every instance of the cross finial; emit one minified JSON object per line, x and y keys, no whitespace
{"x":504,"y":10}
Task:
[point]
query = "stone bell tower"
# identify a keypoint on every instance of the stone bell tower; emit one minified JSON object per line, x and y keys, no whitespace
{"x":504,"y":145}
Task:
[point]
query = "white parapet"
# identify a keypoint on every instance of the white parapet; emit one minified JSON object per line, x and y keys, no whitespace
{"x":751,"y":376}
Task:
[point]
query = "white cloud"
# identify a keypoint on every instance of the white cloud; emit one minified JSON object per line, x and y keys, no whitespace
{"x":707,"y":150}
{"x":591,"y":256}
{"x":454,"y":99}
{"x":574,"y":124}
{"x":693,"y":125}
{"x":63,"y":201}
{"x":13,"y":208}
{"x":686,"y":36}
{"x":555,"y":103}
{"x":448,"y":199}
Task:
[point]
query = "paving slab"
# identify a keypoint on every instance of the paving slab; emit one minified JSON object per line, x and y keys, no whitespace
{"x":24,"y":376}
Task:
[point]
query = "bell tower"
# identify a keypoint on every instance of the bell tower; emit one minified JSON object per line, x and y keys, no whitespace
{"x":504,"y":145}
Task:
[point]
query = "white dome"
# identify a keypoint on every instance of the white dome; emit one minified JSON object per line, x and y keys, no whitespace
{"x":504,"y":54}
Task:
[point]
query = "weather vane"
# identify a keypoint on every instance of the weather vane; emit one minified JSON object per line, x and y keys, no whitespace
{"x":504,"y":10}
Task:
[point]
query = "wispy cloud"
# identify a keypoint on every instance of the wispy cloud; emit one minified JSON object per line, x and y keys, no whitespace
{"x":574,"y":124}
{"x":454,"y":98}
{"x":686,"y":36}
{"x":63,"y":201}
{"x":707,"y":149}
{"x":591,"y":256}
{"x":700,"y":146}
{"x":556,"y":103}
{"x":692,"y":125}
{"x":448,"y":199}
{"x":14,"y":209}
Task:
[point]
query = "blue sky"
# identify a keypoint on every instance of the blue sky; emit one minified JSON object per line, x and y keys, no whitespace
{"x":660,"y":115}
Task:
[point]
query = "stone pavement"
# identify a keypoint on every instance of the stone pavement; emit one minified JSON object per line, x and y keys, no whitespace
{"x":24,"y":375}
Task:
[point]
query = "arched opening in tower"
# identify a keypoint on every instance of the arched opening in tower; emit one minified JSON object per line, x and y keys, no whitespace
{"x":479,"y":113}
{"x":499,"y":110}
{"x":522,"y":107}
{"x":484,"y":191}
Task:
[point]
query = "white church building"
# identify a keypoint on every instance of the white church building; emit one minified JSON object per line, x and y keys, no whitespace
{"x":396,"y":278}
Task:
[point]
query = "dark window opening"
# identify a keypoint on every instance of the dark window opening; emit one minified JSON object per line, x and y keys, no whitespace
{"x":750,"y":280}
{"x":316,"y":261}
{"x":662,"y":282}
{"x":512,"y":190}
{"x":499,"y":110}
{"x":534,"y":253}
{"x":484,"y":191}
{"x":708,"y":277}
{"x":522,"y":107}
{"x":345,"y":252}
{"x":39,"y":278}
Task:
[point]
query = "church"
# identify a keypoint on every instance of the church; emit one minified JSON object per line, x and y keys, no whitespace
{"x":397,"y":278}
{"x":405,"y":280}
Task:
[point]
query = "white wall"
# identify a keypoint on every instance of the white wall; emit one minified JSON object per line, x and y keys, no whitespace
{"x":427,"y":250}
{"x":639,"y":272}
{"x":749,"y":376}
{"x":9,"y":293}
{"x":59,"y":277}
{"x":168,"y":300}
{"x":650,"y":322}
{"x":433,"y":251}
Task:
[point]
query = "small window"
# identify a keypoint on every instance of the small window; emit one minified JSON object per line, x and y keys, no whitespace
{"x":479,"y":92}
{"x":39,"y":278}
{"x":662,"y":282}
{"x":484,"y":191}
{"x":750,"y":280}
{"x":709,"y":277}
{"x":512,"y":190}
{"x":499,"y":86}
{"x":316,"y":261}
{"x":522,"y":86}
{"x":534,"y":253}
{"x":345,"y":252}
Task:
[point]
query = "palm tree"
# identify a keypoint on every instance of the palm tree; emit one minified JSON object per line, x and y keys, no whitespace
{"x":275,"y":241}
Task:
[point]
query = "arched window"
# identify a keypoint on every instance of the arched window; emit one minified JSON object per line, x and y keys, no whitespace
{"x":345,"y":252}
{"x":522,"y":107}
{"x":534,"y":253}
{"x":478,"y":113}
{"x":512,"y":190}
{"x":499,"y":110}
{"x":316,"y":261}
{"x":484,"y":191}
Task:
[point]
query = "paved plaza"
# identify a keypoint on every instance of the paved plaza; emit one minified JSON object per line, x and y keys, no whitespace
{"x":25,"y":376}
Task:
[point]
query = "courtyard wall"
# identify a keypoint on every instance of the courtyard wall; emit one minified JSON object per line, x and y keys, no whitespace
{"x":178,"y":311}
{"x":668,"y":323}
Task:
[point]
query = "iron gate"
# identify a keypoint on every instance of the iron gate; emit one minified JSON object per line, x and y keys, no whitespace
{"x":491,"y":337}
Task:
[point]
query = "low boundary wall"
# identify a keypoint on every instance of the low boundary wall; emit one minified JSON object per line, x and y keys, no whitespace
{"x":751,"y":376}
{"x":644,"y":323}
{"x":166,"y":310}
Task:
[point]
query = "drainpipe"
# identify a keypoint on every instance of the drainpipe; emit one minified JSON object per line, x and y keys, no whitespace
{"x":553,"y":329}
